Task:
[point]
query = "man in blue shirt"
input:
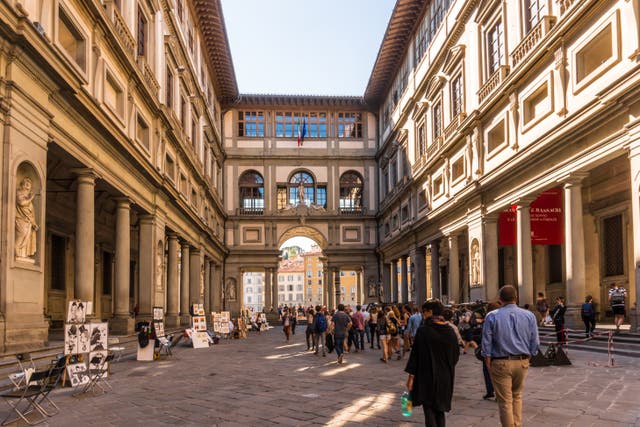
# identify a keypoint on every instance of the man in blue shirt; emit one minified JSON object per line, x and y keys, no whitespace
{"x":414,"y":323}
{"x":509,"y":339}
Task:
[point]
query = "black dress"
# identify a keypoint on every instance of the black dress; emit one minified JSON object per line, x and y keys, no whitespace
{"x":432,"y":363}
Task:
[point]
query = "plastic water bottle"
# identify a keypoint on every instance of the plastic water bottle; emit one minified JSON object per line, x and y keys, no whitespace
{"x":407,"y":405}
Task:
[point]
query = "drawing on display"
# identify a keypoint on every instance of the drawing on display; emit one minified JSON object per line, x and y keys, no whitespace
{"x":99,"y":336}
{"x":99,"y":356}
{"x":77,"y":312}
{"x":83,"y":338}
{"x":70,"y":339}
{"x":158,"y":313}
{"x":78,"y":374}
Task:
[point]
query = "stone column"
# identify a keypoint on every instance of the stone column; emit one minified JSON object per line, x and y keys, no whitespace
{"x":394,"y":281}
{"x":634,"y":281}
{"x":454,"y":269}
{"x":336,"y":285}
{"x":574,"y":250}
{"x":386,"y":282}
{"x":524,"y":254}
{"x":122,"y":324}
{"x":359,"y":277}
{"x":195,"y":277}
{"x":404,"y":281}
{"x":268,"y":284}
{"x":216,"y":288}
{"x":173,"y":291}
{"x":489,"y":256}
{"x":184,"y":284}
{"x":436,"y":292}
{"x":418,"y":275}
{"x":147,"y":266}
{"x":207,"y":289}
{"x":85,"y":236}
{"x":327,"y":287}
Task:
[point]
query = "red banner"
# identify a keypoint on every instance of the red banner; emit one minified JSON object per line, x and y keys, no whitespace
{"x":546,"y":221}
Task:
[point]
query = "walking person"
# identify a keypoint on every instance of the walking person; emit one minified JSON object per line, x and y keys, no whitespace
{"x":358,"y":326}
{"x":509,"y":340}
{"x":588,"y":314}
{"x":311,"y":342}
{"x":286,"y":323}
{"x":294,"y":320}
{"x":617,"y":297}
{"x":367,"y":328}
{"x":557,"y":314}
{"x":320,"y":330}
{"x":414,"y":323}
{"x":373,"y":325}
{"x":341,"y":325}
{"x":431,"y":365}
{"x":382,"y":331}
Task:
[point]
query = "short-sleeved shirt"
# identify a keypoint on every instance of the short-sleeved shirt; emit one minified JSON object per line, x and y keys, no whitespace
{"x":341,"y":322}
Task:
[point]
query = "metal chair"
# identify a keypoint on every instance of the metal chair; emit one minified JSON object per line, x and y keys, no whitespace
{"x":115,"y":347}
{"x":98,"y":375}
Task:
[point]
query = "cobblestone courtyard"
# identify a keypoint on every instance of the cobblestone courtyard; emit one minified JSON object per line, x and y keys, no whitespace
{"x":262,"y":381}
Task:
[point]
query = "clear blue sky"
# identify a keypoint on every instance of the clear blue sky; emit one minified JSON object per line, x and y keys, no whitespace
{"x":305,"y":47}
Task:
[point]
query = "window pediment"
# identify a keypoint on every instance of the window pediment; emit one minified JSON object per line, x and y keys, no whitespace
{"x":453,"y":59}
{"x":486,"y":9}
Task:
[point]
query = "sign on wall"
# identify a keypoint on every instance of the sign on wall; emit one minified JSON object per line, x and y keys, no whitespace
{"x":546,"y":221}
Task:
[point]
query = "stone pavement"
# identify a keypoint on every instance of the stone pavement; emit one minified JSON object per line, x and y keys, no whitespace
{"x":262,"y":381}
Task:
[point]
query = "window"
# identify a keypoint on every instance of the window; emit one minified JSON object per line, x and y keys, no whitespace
{"x":351,"y":189}
{"x":183,"y":113}
{"x":114,"y":95}
{"x":495,"y":48}
{"x":316,"y":125}
{"x":179,"y":9}
{"x":169,"y":89}
{"x":423,"y":200}
{"x":290,"y":288}
{"x":613,"y":249}
{"x":301,"y":189}
{"x":251,"y":123}
{"x":595,"y":53}
{"x":142,"y":33}
{"x":169,"y":167}
{"x":404,"y":215}
{"x":71,"y":40}
{"x":298,"y":287}
{"x":421,"y":146}
{"x":438,"y":186}
{"x":536,"y":105}
{"x":194,"y":134}
{"x":251,"y":186}
{"x":349,"y":125}
{"x":496,"y":137}
{"x":142,"y":132}
{"x":437,"y":120}
{"x":457,"y":96}
{"x":183,"y":184}
{"x":534,"y":10}
{"x":457,"y":169}
{"x":58,"y":262}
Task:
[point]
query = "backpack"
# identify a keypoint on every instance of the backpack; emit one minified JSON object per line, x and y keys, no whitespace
{"x":392,"y":327}
{"x":587,"y":310}
{"x":617,"y":297}
{"x":321,"y":323}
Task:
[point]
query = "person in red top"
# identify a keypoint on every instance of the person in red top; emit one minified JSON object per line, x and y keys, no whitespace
{"x":358,"y":325}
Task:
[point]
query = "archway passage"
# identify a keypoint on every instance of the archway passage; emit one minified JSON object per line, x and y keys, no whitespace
{"x":301,"y":281}
{"x":303,"y":232}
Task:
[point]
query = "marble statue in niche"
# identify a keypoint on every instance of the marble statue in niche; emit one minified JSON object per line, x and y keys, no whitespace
{"x":26,"y":227}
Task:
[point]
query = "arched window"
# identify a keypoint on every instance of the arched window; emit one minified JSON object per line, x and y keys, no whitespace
{"x":251,"y":193}
{"x":302,"y":189}
{"x":351,"y":187}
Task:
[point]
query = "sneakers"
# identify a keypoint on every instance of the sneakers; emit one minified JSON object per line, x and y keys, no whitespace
{"x":341,"y":359}
{"x":489,"y":396}
{"x":383,"y":360}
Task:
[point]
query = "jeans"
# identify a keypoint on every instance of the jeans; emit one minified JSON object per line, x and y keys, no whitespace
{"x":339,"y":344}
{"x":375,"y":334}
{"x":320,"y":338}
{"x":589,"y":324}
{"x":360,"y":339}
{"x":309,"y":337}
{"x":508,"y":381}
{"x":367,"y":332}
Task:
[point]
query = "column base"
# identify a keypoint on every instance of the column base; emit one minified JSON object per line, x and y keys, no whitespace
{"x":171,"y":320}
{"x":122,"y":325}
{"x":573,"y":318}
{"x":634,"y":319}
{"x":185,"y":320}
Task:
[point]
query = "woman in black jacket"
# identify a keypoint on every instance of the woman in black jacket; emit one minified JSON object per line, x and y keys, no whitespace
{"x":557,"y":314}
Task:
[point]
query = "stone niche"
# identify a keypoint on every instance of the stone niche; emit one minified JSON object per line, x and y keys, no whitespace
{"x":27,"y":215}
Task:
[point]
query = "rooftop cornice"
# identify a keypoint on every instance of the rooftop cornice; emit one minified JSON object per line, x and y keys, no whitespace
{"x":214,"y":33}
{"x":273,"y":100}
{"x":404,"y":19}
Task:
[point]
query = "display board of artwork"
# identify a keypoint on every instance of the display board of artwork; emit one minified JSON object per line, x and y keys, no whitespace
{"x":158,"y":313}
{"x":199,"y":323}
{"x":85,"y":338}
{"x":221,"y":322}
{"x":198,"y":339}
{"x":78,"y":374}
{"x":158,"y":325}
{"x":99,"y":356}
{"x":198,"y":309}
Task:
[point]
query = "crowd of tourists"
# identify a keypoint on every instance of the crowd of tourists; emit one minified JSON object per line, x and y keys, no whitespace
{"x":500,"y":334}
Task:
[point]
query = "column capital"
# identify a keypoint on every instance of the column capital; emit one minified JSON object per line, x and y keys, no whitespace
{"x":123,"y":202}
{"x":490,"y":217}
{"x":185,"y":245}
{"x":573,"y":179}
{"x":85,"y":175}
{"x":146,"y":218}
{"x":171,"y":235}
{"x":523,"y":202}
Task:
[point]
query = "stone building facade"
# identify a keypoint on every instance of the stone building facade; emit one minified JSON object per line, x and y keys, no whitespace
{"x":509,"y":149}
{"x":496,"y":143}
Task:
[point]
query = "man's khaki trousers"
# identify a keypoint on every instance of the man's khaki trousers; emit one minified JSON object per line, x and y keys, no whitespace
{"x":508,"y":378}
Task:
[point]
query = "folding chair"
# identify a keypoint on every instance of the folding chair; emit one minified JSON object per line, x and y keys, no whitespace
{"x":18,"y":379}
{"x":165,"y":344}
{"x":98,"y":376}
{"x":115,"y":347}
{"x":28,"y":398}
